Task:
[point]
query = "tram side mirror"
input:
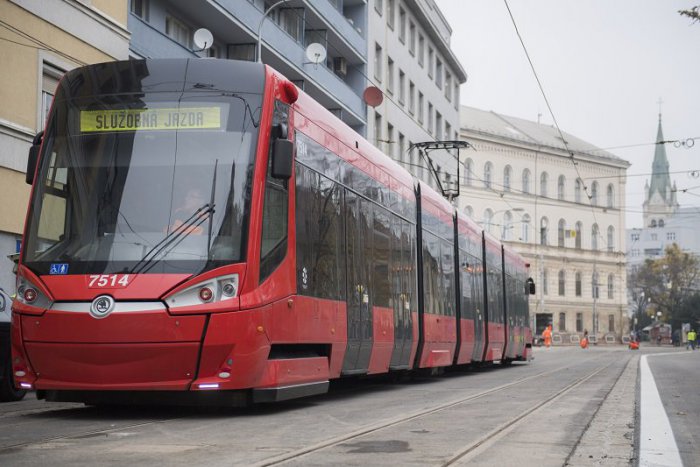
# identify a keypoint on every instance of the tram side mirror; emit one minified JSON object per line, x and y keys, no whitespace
{"x":282,"y":158}
{"x":33,"y":157}
{"x":530,"y":287}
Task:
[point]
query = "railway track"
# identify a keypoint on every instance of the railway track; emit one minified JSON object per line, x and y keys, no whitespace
{"x":160,"y":417}
{"x":463,"y":453}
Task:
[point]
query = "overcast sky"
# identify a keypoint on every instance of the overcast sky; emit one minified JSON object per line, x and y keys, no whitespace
{"x":603,"y":64}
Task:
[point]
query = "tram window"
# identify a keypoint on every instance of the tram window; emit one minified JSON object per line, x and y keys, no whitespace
{"x":448,"y":278}
{"x":320,"y":236}
{"x":381,"y":257}
{"x":275,"y":207}
{"x":431,"y":272}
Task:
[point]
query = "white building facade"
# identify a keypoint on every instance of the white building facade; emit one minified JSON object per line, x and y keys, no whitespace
{"x":558,"y":205}
{"x":410,"y":60}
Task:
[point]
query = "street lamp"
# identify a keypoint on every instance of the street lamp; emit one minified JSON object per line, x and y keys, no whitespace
{"x":258,"y":45}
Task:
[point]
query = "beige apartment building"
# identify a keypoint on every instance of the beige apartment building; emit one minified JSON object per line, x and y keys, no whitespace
{"x":39,"y":41}
{"x":559,"y":205}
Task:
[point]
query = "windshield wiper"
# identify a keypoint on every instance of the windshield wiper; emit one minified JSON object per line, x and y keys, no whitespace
{"x":173,"y":238}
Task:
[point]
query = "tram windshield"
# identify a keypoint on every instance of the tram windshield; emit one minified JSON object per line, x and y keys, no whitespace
{"x":144,"y":183}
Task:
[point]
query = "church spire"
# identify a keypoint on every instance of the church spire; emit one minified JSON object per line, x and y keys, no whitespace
{"x":660,"y":178}
{"x":661,"y":202}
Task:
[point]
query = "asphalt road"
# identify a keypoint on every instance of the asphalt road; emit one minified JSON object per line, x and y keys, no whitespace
{"x":567,"y":407}
{"x":677,"y":377}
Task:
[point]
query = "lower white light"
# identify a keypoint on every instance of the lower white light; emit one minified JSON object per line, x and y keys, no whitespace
{"x":209,"y":386}
{"x":25,"y":385}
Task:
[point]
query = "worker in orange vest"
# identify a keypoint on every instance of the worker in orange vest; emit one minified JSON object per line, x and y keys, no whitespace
{"x":584,"y":341}
{"x":547,"y":336}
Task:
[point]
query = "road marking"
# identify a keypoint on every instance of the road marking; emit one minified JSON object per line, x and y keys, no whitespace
{"x":657,"y":445}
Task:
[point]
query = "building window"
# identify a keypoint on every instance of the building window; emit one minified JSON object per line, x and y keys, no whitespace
{"x":430,"y":62}
{"x":378,"y":60}
{"x":661,"y":223}
{"x":526,"y":181}
{"x":595,"y":232}
{"x":611,"y":238}
{"x":670,"y":236}
{"x":578,"y":284}
{"x":561,"y":233}
{"x":438,"y":126}
{"x":561,"y":187}
{"x":49,"y":81}
{"x":635,"y":237}
{"x":579,"y":322}
{"x":544,"y":178}
{"x":431,"y":125}
{"x":610,"y":196}
{"x":411,"y":97}
{"x":545,"y":288}
{"x":412,"y":37}
{"x":448,"y":86}
{"x":507,"y":224}
{"x":544,"y":225}
{"x":377,"y":130}
{"x":390,"y":13}
{"x":456,"y":94}
{"x":390,"y":139}
{"x":468,"y":172}
{"x":402,"y":25}
{"x":488,"y":173}
{"x":140,"y":8}
{"x":562,"y":283}
{"x":611,"y":287}
{"x":562,"y":322}
{"x":438,"y":73}
{"x":402,"y":147}
{"x":389,"y":75}
{"x":611,"y":323}
{"x":420,"y":107}
{"x":525,"y":229}
{"x":469,"y":211}
{"x":578,"y":186}
{"x":594,"y":194}
{"x":178,"y":31}
{"x":506,"y":178}
{"x":378,"y":6}
{"x":402,"y":87}
{"x":579,"y":235}
{"x":488,"y":219}
{"x":421,"y":49}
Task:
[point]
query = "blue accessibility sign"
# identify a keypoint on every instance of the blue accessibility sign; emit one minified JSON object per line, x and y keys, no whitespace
{"x":58,"y":268}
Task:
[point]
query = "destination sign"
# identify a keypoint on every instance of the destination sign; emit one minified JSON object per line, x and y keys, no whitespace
{"x":183,"y":118}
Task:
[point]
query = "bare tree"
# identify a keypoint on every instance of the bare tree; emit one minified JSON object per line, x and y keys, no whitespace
{"x":693,"y":13}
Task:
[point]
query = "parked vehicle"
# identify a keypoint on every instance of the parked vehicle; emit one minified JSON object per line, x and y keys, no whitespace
{"x":8,"y":392}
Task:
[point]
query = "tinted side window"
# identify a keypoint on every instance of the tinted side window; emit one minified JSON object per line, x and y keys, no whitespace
{"x":382,"y":244}
{"x":320,"y":235}
{"x":275,"y":209}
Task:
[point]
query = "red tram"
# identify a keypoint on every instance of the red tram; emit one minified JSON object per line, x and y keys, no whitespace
{"x":201,"y":231}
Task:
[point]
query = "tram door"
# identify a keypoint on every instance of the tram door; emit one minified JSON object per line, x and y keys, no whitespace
{"x":479,"y":311}
{"x":358,"y":231}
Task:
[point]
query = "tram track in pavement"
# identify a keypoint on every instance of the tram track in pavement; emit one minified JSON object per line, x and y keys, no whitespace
{"x":298,"y":454}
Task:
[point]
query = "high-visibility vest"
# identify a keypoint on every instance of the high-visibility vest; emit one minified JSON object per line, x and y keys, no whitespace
{"x":691,"y":336}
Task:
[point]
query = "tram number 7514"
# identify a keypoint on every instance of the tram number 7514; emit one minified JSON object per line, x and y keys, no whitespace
{"x":112,"y":281}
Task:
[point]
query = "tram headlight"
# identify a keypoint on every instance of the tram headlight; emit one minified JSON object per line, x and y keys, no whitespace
{"x":211,"y":291}
{"x":29,"y":294}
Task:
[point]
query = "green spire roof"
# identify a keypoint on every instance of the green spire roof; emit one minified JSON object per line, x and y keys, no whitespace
{"x":660,"y":178}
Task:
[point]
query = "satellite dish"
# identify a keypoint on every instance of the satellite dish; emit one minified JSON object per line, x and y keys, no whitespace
{"x":373,"y":96}
{"x":316,"y":53}
{"x":203,"y":39}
